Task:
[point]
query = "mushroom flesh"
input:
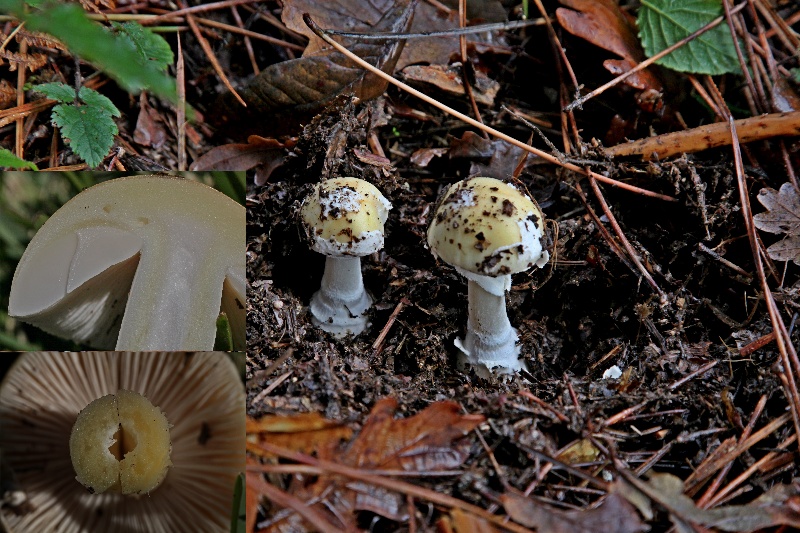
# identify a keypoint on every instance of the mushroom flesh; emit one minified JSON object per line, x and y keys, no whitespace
{"x":137,"y":263}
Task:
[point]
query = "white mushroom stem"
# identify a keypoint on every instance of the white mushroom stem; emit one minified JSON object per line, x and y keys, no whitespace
{"x":491,"y":342}
{"x":339,"y":305}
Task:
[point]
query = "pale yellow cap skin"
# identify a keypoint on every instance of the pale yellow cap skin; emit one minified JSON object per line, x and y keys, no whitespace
{"x":487,"y":227}
{"x":345,"y":217}
{"x":137,"y":461}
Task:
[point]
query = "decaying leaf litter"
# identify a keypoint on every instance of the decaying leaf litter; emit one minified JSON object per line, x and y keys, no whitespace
{"x":697,"y":430}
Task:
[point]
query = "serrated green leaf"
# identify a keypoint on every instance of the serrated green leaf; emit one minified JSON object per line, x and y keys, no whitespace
{"x":152,"y":48}
{"x":95,"y":99}
{"x":57,"y":91}
{"x":88,"y":40}
{"x":89,"y":130}
{"x":663,"y":23}
{"x":9,"y":160}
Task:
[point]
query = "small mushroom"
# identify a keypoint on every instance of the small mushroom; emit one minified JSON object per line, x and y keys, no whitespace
{"x":47,"y":403}
{"x":488,"y":229}
{"x":137,"y":263}
{"x":343,"y":219}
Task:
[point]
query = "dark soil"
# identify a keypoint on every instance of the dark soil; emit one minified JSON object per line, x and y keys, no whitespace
{"x":581,"y":314}
{"x":684,"y":380}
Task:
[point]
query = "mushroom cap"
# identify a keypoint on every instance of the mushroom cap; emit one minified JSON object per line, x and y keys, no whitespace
{"x":486,"y":227}
{"x":345,"y":216}
{"x":139,"y":262}
{"x":202,"y":396}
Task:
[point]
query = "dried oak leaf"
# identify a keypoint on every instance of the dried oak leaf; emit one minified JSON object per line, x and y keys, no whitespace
{"x":425,"y":442}
{"x":782,"y":216}
{"x":604,"y":24}
{"x":768,"y":511}
{"x":308,"y":432}
{"x":264,"y":154}
{"x":615,"y":513}
{"x":361,"y":16}
{"x":297,"y":89}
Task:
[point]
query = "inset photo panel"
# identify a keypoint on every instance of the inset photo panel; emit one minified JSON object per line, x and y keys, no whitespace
{"x":127,"y":442}
{"x":111,"y":261}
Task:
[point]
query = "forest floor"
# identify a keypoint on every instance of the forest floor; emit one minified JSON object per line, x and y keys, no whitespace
{"x":701,"y":406}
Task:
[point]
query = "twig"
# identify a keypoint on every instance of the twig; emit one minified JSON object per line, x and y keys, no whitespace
{"x":705,"y":368}
{"x":647,"y":62}
{"x":317,"y":519}
{"x":378,"y":344}
{"x":538,"y":401}
{"x":789,"y":361}
{"x":480,"y":28}
{"x":212,"y":58}
{"x":213,"y":6}
{"x":248,"y":44}
{"x":472,"y":122}
{"x":623,"y":415}
{"x":747,"y":351}
{"x":709,"y":136}
{"x":709,"y":493}
{"x":625,"y":242}
{"x":181,"y":109}
{"x":393,"y":484}
{"x":467,"y":71}
{"x":249,"y":34}
{"x":272,"y":386}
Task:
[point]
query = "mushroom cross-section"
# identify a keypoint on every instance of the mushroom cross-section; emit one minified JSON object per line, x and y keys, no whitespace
{"x":137,"y":263}
{"x":487,"y":229}
{"x":343,"y":219}
{"x":58,"y":412}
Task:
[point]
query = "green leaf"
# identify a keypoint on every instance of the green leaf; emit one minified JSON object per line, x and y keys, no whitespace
{"x":152,"y":48}
{"x":238,"y":513}
{"x":795,"y":74}
{"x":663,"y":23}
{"x":57,"y":91}
{"x":117,"y":57}
{"x":9,"y":160}
{"x":95,"y":99}
{"x":224,"y":339}
{"x":89,"y":130}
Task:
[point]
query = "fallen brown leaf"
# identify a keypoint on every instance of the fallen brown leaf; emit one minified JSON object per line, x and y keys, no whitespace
{"x":604,"y":24}
{"x":782,"y":216}
{"x":307,"y":432}
{"x":448,"y":79}
{"x":667,"y":491}
{"x":425,"y":442}
{"x":287,"y":94}
{"x":149,"y":131}
{"x":259,"y":151}
{"x":614,"y":514}
{"x":463,"y":522}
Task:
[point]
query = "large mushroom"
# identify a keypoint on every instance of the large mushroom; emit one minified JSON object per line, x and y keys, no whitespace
{"x":343,"y":219}
{"x":488,"y":229}
{"x":201,"y":396}
{"x":137,"y":263}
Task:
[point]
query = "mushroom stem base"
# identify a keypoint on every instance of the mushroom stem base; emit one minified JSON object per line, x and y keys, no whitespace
{"x":339,"y":306}
{"x":491,"y":342}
